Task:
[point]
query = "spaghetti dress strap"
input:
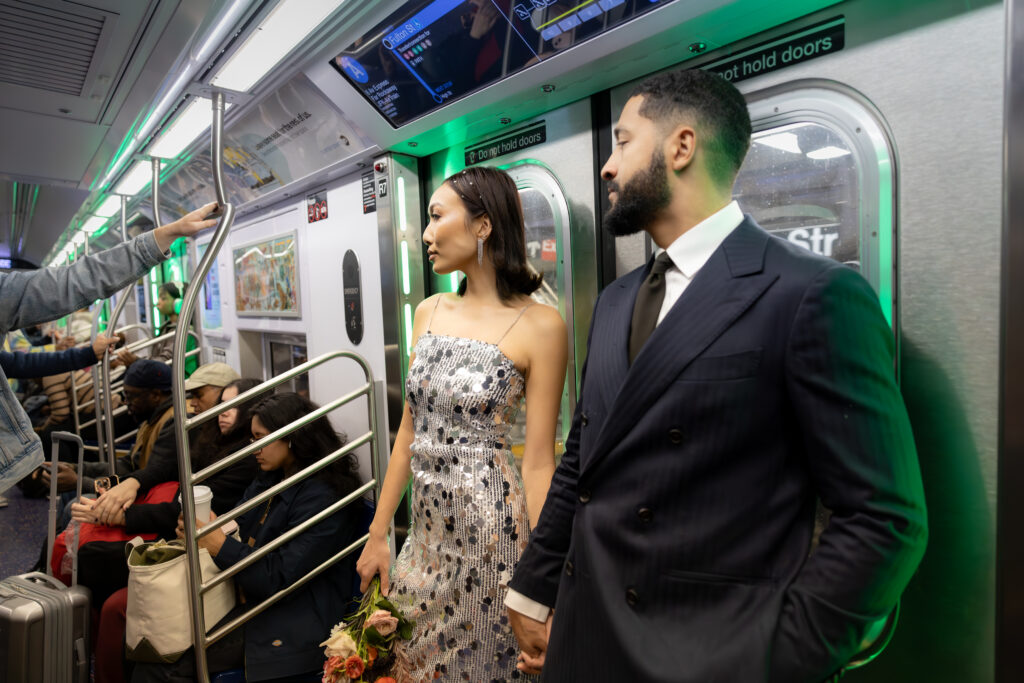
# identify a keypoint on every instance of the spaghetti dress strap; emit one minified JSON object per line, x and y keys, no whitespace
{"x":431,"y":321}
{"x":523,"y":310}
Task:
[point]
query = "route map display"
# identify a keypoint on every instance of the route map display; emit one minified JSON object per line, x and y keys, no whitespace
{"x":432,"y":52}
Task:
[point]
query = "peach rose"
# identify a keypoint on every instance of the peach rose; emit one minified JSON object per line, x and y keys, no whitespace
{"x":382,"y":621}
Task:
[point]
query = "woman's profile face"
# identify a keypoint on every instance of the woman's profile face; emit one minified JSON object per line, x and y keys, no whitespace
{"x":227,"y":420}
{"x":451,"y":244}
{"x":274,"y":456}
{"x":165,"y":304}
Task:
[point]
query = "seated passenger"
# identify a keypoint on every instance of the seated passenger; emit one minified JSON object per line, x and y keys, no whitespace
{"x":216,"y":439}
{"x":205,"y":384}
{"x":282,"y":643}
{"x":167,"y":304}
{"x":153,"y":459}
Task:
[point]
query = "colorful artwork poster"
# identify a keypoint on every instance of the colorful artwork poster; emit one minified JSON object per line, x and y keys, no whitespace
{"x":210,"y":293}
{"x":267,"y":278}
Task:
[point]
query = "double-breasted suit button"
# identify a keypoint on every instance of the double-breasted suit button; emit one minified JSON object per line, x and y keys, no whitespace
{"x":645,"y":514}
{"x":569,"y":568}
{"x":675,"y":436}
{"x":584,"y":496}
{"x":584,"y":419}
{"x":632,"y":598}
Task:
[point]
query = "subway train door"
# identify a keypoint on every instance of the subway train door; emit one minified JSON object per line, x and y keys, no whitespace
{"x":550,"y":157}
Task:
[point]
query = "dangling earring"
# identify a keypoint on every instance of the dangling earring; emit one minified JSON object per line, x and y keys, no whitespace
{"x":480,"y":251}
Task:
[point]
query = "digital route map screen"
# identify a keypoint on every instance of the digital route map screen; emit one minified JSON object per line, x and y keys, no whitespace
{"x":430,"y":53}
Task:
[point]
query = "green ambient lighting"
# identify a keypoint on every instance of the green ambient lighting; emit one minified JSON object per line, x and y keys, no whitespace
{"x":402,"y":218}
{"x":408,"y":330}
{"x":885,"y":238}
{"x":405,"y":268}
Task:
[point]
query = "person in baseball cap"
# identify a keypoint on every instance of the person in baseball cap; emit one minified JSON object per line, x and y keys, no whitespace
{"x":206,"y":383}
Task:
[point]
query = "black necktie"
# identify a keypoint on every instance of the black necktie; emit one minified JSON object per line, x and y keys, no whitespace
{"x":648,"y":305}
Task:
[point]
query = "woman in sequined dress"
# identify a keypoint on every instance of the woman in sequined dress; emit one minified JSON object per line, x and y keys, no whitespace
{"x":476,"y":355}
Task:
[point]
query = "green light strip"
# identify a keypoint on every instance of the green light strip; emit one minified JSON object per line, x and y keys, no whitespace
{"x":408,"y":331}
{"x":405,"y":268}
{"x":887,"y":265}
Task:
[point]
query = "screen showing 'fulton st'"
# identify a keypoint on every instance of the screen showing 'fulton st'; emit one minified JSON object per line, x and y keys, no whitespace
{"x":427,"y":54}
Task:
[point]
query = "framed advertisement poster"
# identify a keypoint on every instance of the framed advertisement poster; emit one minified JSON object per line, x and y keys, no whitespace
{"x":267,"y":278}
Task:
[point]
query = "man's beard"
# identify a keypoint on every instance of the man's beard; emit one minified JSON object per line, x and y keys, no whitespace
{"x":640,"y":200}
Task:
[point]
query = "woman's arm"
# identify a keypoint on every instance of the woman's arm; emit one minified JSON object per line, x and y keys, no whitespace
{"x":547,"y":354}
{"x":376,"y":556}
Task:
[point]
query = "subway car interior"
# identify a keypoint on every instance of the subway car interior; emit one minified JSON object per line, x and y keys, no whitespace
{"x":888,"y":136}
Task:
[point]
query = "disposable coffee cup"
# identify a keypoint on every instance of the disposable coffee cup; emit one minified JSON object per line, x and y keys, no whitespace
{"x":202,"y":495}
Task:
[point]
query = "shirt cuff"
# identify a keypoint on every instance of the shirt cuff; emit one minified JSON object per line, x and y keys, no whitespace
{"x":526,"y":606}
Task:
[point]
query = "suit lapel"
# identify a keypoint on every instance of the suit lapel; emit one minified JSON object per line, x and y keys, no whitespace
{"x":728,"y":284}
{"x":611,"y":333}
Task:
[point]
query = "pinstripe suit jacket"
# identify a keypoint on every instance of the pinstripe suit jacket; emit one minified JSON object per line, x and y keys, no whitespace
{"x":674,"y":540}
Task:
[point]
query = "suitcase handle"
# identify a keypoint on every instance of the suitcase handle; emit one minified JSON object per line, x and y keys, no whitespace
{"x":40,"y":577}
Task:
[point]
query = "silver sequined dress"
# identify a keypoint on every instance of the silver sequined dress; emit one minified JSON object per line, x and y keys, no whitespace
{"x":469,"y":522}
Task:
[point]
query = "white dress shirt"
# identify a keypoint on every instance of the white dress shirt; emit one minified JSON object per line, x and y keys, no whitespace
{"x":689,"y":252}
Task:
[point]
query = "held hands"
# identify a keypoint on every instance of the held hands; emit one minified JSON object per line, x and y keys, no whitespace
{"x":211,"y":541}
{"x":533,"y":637}
{"x":375,"y":559}
{"x":115,"y":501}
{"x":85,"y":511}
{"x":186,"y":226}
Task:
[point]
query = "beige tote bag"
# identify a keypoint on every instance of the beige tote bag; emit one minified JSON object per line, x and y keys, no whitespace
{"x":159,"y":612}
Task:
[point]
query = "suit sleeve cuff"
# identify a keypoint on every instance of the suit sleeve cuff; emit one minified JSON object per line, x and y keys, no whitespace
{"x":526,"y":606}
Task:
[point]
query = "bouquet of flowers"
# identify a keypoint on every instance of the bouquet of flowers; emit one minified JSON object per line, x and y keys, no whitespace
{"x":361,"y":650}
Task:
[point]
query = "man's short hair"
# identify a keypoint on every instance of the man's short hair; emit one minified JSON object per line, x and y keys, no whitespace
{"x":718,"y":107}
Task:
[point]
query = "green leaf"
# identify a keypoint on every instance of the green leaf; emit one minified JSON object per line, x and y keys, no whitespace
{"x":405,"y":630}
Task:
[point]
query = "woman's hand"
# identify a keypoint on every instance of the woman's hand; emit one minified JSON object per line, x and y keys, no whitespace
{"x":115,"y":501}
{"x":375,"y":559}
{"x":85,"y":511}
{"x":211,"y":541}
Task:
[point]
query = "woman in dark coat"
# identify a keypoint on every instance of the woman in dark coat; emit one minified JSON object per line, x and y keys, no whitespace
{"x":282,"y":643}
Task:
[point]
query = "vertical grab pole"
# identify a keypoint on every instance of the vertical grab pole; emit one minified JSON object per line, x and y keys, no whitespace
{"x":108,"y":406}
{"x":178,"y":387}
{"x":94,"y":373}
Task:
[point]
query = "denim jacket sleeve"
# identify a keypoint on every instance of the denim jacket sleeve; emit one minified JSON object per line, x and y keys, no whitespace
{"x":27,"y":298}
{"x":31,"y":297}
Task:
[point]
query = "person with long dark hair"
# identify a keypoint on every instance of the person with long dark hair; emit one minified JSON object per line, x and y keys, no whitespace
{"x":282,"y":643}
{"x":476,"y":354}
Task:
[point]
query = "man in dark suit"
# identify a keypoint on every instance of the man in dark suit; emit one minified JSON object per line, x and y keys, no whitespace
{"x":730,"y":383}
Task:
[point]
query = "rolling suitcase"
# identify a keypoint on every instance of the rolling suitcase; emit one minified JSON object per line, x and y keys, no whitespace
{"x":44,"y":625}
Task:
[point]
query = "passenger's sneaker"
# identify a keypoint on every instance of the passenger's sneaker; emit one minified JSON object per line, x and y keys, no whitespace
{"x":3,"y":501}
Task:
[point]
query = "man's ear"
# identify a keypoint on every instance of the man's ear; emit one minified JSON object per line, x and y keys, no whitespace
{"x":681,"y":147}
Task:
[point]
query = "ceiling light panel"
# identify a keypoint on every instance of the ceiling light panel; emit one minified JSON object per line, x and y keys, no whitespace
{"x":277,"y":35}
{"x":193,"y":122}
{"x":135,"y":180}
{"x":93,"y":224}
{"x":109,"y":207}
